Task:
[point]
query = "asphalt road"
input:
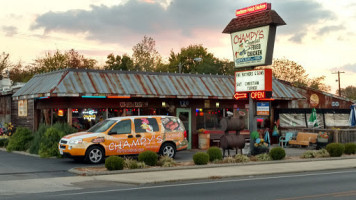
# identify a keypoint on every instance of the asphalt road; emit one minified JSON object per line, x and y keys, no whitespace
{"x":15,"y":166}
{"x":323,"y":185}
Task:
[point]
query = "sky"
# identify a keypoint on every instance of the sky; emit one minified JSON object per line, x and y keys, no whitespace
{"x":320,"y":35}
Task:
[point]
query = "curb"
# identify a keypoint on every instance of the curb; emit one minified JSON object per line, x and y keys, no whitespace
{"x":128,"y":171}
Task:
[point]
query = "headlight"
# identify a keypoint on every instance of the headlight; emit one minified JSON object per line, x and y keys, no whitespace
{"x":78,"y":141}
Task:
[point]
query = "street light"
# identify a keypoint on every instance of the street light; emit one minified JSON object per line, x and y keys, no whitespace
{"x":180,"y":65}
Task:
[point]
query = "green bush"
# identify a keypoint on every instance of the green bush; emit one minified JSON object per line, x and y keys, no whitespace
{"x":214,"y":154}
{"x":308,"y":154}
{"x":39,"y":134}
{"x":49,"y":142}
{"x":322,"y":153}
{"x":277,"y":153}
{"x":36,"y":142}
{"x":166,"y":161}
{"x":20,"y":140}
{"x":133,"y":164}
{"x":241,"y":158}
{"x":335,"y":149}
{"x":201,"y":158}
{"x":263,"y":157}
{"x":4,"y":142}
{"x":228,"y":159}
{"x":350,"y":148}
{"x":114,"y":163}
{"x":148,"y":157}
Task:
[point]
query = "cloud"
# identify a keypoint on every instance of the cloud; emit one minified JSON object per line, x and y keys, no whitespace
{"x":9,"y":30}
{"x":347,"y":67}
{"x":124,"y":23}
{"x":300,"y":15}
{"x":328,"y":29}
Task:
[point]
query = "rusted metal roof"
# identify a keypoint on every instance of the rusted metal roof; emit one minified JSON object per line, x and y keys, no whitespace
{"x":263,"y":18}
{"x":79,"y":82}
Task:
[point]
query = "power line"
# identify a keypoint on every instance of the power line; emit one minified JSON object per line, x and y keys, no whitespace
{"x":338,"y":75}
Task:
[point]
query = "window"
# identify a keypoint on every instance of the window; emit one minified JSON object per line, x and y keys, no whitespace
{"x":122,"y":127}
{"x":146,"y":125}
{"x":101,"y":126}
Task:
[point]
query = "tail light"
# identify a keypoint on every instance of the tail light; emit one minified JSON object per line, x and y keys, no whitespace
{"x":185,"y":134}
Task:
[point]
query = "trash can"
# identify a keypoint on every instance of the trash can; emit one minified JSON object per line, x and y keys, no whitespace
{"x":204,"y":140}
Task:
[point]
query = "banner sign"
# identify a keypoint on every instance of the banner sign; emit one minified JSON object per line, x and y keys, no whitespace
{"x":249,"y":47}
{"x":262,"y":108}
{"x":253,"y":80}
{"x":253,"y":9}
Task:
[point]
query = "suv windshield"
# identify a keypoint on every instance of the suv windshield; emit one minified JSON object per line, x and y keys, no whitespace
{"x":101,"y":126}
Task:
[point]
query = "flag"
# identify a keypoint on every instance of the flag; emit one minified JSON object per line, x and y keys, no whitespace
{"x":313,"y":121}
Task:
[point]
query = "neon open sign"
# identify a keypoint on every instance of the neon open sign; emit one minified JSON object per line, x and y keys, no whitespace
{"x":253,"y":9}
{"x":254,"y":95}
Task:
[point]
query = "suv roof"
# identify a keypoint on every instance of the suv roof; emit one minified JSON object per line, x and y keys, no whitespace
{"x":140,"y":116}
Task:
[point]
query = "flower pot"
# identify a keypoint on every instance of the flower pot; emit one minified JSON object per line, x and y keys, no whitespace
{"x":204,"y":141}
{"x":323,"y":140}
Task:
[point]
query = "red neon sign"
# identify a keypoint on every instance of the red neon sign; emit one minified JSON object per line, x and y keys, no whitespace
{"x":254,"y":95}
{"x":238,"y":96}
{"x":258,"y":95}
{"x":253,"y":9}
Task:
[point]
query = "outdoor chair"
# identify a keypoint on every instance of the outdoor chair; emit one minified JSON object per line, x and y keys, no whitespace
{"x":285,"y":139}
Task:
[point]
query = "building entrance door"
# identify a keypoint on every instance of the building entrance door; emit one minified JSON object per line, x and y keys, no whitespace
{"x":185,"y":115}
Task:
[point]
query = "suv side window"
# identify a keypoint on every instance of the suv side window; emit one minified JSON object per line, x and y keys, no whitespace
{"x":122,"y":127}
{"x":144,"y":125}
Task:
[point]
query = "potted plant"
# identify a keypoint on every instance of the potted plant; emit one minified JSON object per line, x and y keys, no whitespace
{"x":323,"y":137}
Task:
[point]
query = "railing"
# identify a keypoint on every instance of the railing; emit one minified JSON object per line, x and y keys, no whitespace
{"x":342,"y":135}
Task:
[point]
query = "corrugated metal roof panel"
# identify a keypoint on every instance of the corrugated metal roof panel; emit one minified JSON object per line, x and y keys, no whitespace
{"x":78,"y":82}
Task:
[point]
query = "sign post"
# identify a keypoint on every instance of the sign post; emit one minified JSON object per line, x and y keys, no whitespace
{"x":252,"y":35}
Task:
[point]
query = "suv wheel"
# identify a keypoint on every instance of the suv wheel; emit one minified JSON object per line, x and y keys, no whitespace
{"x":168,"y":149}
{"x":94,"y":154}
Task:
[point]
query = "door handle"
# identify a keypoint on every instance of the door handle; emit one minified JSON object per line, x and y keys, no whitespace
{"x":138,"y":135}
{"x":130,"y":136}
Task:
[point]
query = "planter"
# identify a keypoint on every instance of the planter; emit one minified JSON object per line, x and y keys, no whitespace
{"x":204,"y":141}
{"x":323,"y":140}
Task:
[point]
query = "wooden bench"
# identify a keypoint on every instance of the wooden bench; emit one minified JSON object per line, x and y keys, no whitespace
{"x":304,"y":139}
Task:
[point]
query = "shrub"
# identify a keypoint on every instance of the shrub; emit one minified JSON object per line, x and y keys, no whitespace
{"x":36,"y":142}
{"x":165,"y":161}
{"x":148,"y":157}
{"x":321,"y":153}
{"x":277,"y":153}
{"x":20,"y":140}
{"x":201,"y":158}
{"x":335,"y":149}
{"x":308,"y":154}
{"x":214,"y":154}
{"x":49,"y":143}
{"x":263,"y":157}
{"x":229,"y":159}
{"x":114,"y":163}
{"x":4,"y":142}
{"x":39,"y":134}
{"x":130,"y":163}
{"x":350,"y":148}
{"x":241,"y":158}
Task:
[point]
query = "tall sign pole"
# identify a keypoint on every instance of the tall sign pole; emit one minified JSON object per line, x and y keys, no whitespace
{"x":252,"y":37}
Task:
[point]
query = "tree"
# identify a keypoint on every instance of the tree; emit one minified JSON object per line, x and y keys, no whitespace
{"x":4,"y":62}
{"x":119,"y":63}
{"x":294,"y":73}
{"x":58,"y":60}
{"x":145,"y":55}
{"x":348,"y":92}
{"x":197,"y":59}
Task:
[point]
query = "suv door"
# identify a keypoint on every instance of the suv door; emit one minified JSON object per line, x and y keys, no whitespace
{"x":149,"y":133}
{"x":120,"y":139}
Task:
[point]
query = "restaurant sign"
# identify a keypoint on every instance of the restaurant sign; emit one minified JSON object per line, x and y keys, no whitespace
{"x":253,"y":80}
{"x":249,"y":47}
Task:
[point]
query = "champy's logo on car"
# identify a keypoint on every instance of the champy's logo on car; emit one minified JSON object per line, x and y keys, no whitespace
{"x":138,"y":142}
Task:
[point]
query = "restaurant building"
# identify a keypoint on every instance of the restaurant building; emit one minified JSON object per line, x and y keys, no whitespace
{"x":83,"y":97}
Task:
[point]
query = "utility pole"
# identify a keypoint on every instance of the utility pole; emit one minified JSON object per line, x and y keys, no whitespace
{"x":338,"y":75}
